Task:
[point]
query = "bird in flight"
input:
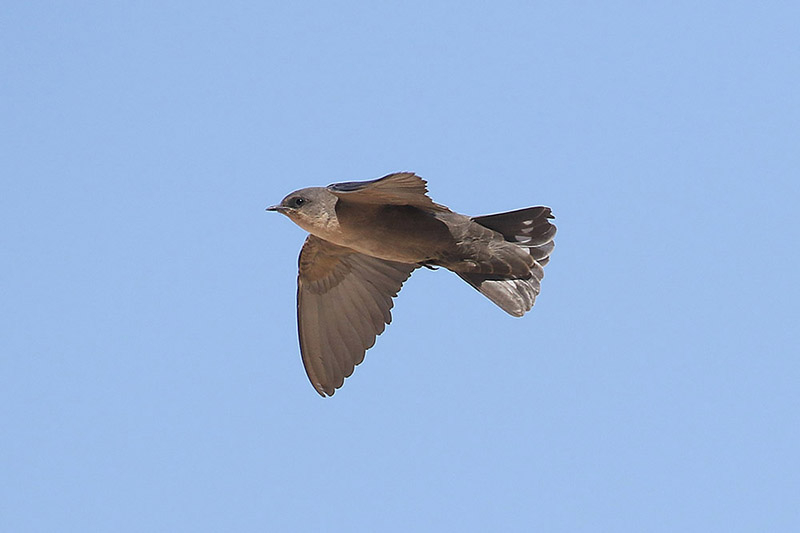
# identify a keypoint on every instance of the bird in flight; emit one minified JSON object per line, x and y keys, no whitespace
{"x":367,"y":237}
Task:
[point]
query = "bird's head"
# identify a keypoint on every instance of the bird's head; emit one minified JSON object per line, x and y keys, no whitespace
{"x":313,"y":209}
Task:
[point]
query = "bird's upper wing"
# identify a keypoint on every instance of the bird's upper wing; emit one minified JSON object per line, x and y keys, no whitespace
{"x":343,"y":302}
{"x":402,"y":188}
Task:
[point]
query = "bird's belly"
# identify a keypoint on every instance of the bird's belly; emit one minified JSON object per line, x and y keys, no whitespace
{"x":392,"y":251}
{"x":396,"y":233}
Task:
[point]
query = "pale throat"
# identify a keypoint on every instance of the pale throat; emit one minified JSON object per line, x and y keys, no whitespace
{"x":325,"y":226}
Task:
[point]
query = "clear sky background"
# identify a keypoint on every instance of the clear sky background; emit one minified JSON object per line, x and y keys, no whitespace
{"x":150,"y":377}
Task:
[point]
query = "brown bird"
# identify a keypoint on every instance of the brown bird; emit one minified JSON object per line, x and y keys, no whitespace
{"x":367,"y":237}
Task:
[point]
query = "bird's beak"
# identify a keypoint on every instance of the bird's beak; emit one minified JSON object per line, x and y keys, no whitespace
{"x":275,"y":208}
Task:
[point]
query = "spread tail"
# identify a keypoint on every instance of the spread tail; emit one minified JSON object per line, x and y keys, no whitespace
{"x":528,"y":228}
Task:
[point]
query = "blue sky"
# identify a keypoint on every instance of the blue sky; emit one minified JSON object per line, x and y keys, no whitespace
{"x":150,"y":377}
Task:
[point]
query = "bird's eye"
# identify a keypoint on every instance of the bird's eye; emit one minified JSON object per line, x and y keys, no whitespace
{"x":297,"y":202}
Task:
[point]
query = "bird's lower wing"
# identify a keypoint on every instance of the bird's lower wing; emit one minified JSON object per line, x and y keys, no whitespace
{"x":344,"y":300}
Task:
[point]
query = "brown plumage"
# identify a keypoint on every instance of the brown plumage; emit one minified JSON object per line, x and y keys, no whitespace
{"x":368,"y":237}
